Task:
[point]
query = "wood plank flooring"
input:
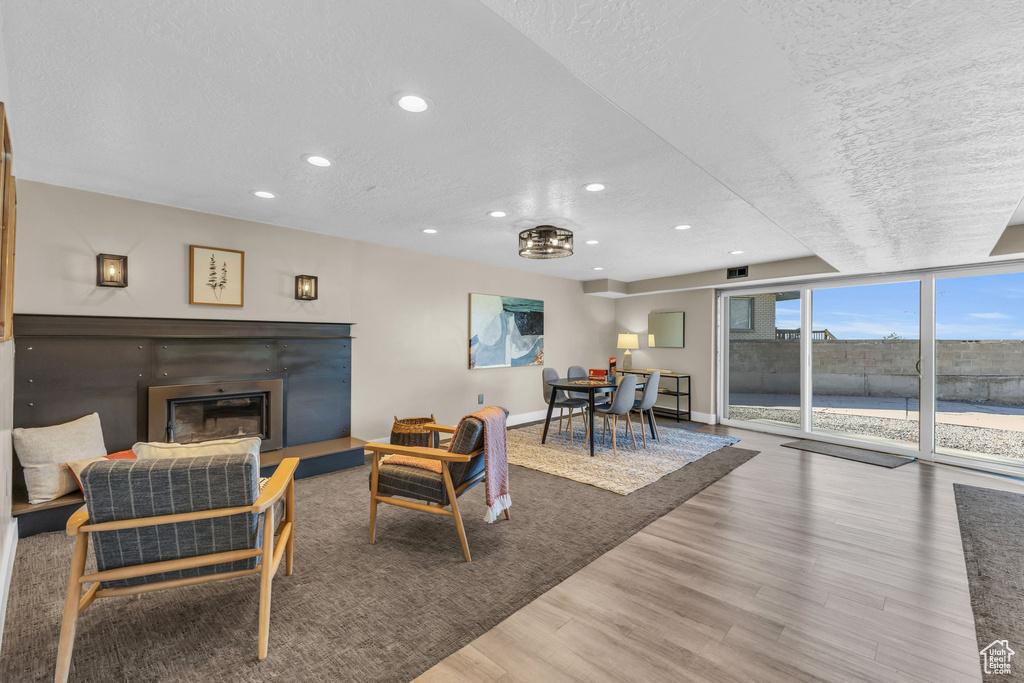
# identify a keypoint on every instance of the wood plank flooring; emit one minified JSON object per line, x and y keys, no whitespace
{"x":796,"y":566}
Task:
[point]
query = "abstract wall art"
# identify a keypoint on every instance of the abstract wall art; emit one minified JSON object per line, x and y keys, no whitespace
{"x":505,"y":331}
{"x":216,"y":276}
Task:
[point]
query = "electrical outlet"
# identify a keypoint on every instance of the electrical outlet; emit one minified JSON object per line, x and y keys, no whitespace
{"x":480,"y":399}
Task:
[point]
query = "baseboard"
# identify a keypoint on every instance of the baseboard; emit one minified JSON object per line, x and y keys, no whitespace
{"x":523,"y":418}
{"x":709,"y":418}
{"x":6,"y":570}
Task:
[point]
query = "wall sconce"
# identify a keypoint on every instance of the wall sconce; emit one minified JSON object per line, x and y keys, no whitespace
{"x":306,"y":287}
{"x":111,"y":270}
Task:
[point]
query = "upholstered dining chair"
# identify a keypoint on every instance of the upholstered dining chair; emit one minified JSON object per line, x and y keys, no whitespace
{"x":561,"y":401}
{"x":645,"y":405}
{"x":462,"y":467}
{"x":141,"y":518}
{"x":622,"y":403}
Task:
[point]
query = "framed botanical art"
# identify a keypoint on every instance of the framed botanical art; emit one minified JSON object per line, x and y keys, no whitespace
{"x":505,"y":331}
{"x":216,"y":276}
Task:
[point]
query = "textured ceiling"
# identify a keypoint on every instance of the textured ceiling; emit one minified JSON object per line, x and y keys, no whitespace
{"x":875,"y":136}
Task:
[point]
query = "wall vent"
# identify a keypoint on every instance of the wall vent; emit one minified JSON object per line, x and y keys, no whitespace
{"x":734,"y":273}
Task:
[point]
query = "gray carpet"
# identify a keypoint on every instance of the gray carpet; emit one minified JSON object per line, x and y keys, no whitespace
{"x":351,"y":611}
{"x":849,"y":453}
{"x":990,"y":529}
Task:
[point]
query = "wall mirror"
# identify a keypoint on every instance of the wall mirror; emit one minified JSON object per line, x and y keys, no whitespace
{"x":666,"y":330}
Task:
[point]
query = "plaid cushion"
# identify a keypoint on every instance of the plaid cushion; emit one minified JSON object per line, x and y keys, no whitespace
{"x":130,"y":489}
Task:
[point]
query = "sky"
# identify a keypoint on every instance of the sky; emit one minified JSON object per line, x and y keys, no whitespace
{"x":980,"y":307}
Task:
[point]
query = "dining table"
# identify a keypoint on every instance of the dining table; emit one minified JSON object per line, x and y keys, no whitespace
{"x":592,"y":387}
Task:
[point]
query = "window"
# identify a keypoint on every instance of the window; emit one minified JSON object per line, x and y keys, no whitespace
{"x":741,"y":314}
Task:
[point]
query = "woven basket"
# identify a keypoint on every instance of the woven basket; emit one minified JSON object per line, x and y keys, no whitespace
{"x":411,"y":431}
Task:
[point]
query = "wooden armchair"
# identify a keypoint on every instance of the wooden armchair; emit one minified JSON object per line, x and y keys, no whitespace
{"x":159,"y":545}
{"x":461,"y":468}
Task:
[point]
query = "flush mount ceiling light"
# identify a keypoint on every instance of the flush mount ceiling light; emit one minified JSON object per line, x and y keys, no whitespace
{"x":430,"y":231}
{"x":544,"y":242}
{"x":683,"y":227}
{"x":737,"y":252}
{"x":593,"y":187}
{"x":322,"y":162}
{"x":592,"y":242}
{"x":598,"y":268}
{"x":497,"y":214}
{"x":263,"y":194}
{"x":414,"y":103}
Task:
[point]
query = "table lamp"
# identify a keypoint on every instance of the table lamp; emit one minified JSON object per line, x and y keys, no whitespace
{"x":627,"y":342}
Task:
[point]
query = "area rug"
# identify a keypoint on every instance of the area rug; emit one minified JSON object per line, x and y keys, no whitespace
{"x":352,"y":611}
{"x":623,"y":472}
{"x":850,"y":453}
{"x":990,"y":530}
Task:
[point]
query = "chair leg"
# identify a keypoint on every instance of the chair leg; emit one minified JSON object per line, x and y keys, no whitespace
{"x":629,"y":426}
{"x":374,"y":475}
{"x":604,"y":431}
{"x":614,"y":420}
{"x":571,"y":442}
{"x":266,"y":576}
{"x":289,"y":551}
{"x":69,"y":622}
{"x":643,"y":432}
{"x":657,"y":432}
{"x":561,"y":413}
{"x":507,"y":516}
{"x":455,"y":509}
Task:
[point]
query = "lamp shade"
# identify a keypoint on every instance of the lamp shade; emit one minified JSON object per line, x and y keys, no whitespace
{"x":629,"y":341}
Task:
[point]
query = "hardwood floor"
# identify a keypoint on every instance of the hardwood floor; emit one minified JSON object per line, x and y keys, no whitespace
{"x":796,"y":566}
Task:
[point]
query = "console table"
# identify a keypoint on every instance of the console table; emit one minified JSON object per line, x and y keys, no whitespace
{"x":678,"y":392}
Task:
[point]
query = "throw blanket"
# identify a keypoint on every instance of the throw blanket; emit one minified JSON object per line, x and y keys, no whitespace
{"x":495,"y":460}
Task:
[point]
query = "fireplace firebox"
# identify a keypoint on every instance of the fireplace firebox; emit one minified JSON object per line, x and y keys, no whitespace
{"x":202,"y":411}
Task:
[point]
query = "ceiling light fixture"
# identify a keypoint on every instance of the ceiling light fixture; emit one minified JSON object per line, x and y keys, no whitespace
{"x":263,"y":194}
{"x":414,"y":103}
{"x":544,"y":242}
{"x":497,"y":214}
{"x":737,"y":252}
{"x":592,"y":242}
{"x":430,"y":231}
{"x":322,"y":162}
{"x":593,"y":187}
{"x":683,"y":227}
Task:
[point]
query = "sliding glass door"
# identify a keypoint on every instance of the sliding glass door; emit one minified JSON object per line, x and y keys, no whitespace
{"x":865,"y":360}
{"x":927,"y":364}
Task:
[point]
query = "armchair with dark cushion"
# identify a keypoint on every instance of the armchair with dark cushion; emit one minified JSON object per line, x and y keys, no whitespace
{"x":462,"y":467}
{"x":168,"y":522}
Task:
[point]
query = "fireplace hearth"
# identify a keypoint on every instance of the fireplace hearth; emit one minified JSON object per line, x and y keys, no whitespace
{"x":201,"y":411}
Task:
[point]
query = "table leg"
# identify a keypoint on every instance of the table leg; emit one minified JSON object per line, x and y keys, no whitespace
{"x":593,"y":427}
{"x":551,"y":409}
{"x":650,"y":422}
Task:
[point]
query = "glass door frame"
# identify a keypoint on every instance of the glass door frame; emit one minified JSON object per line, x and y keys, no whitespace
{"x":926,"y":399}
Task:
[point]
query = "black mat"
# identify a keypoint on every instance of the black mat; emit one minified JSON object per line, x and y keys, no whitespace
{"x":991,"y":524}
{"x":850,"y":453}
{"x":352,"y":611}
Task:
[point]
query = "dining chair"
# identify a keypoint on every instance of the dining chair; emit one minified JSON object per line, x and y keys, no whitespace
{"x":562,"y":401}
{"x":622,"y":403}
{"x":645,"y":405}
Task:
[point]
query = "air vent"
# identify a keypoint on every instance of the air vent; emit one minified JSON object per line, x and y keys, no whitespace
{"x":734,"y":273}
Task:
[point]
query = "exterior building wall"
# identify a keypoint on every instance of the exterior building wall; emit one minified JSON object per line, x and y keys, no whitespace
{"x":764,"y":319}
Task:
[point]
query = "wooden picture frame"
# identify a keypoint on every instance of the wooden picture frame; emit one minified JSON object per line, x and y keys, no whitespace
{"x":220,"y":279}
{"x":8,"y":221}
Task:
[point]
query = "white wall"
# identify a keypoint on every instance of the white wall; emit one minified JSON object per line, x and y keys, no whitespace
{"x":697,"y":358}
{"x":411,"y":310}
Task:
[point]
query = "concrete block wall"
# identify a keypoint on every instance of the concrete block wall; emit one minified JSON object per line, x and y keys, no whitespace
{"x":990,"y":370}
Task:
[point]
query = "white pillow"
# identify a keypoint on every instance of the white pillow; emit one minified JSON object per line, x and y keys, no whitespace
{"x":155,"y":449}
{"x":44,"y":452}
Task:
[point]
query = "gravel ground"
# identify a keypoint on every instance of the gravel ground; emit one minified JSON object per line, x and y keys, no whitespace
{"x":1004,"y":442}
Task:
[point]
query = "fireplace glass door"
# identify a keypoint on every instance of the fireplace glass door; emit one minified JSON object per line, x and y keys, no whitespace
{"x":217,"y":417}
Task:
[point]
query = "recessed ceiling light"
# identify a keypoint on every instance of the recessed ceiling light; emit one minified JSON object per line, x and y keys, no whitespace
{"x":591,"y":241}
{"x":429,"y":231}
{"x":414,"y":103}
{"x":598,"y":268}
{"x":737,"y":252}
{"x":497,"y":214}
{"x":593,"y":187}
{"x":263,"y":194}
{"x":683,"y":227}
{"x":317,"y":160}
